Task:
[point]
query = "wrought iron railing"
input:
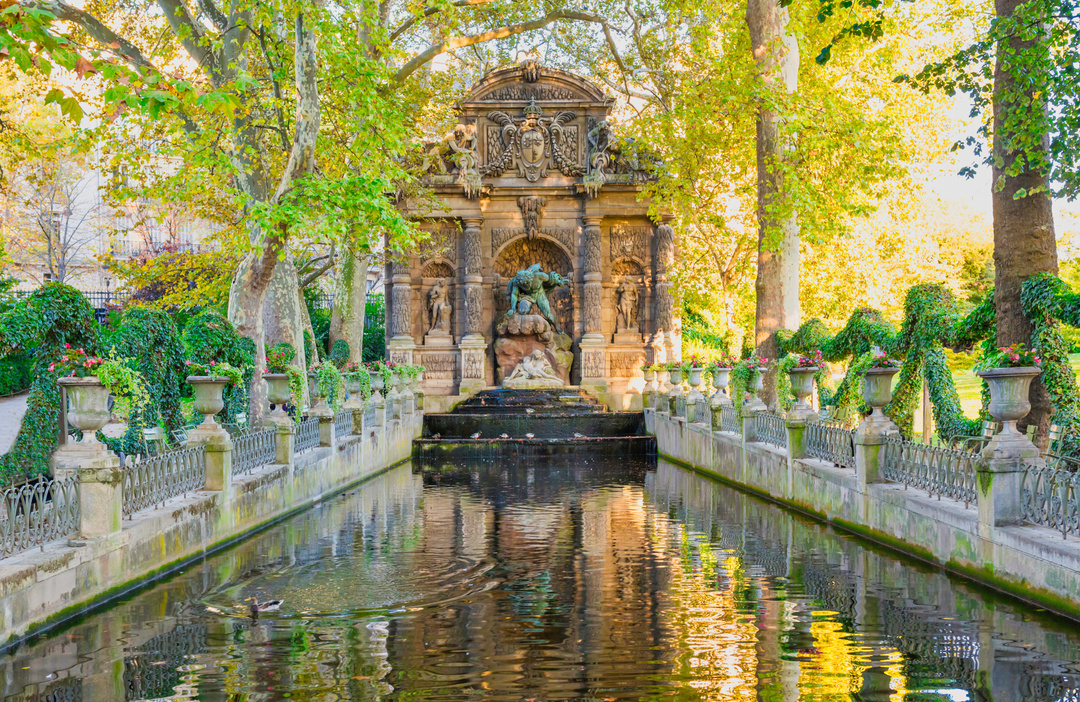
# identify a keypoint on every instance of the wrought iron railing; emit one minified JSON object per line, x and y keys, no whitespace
{"x":938,"y":470}
{"x":1050,"y":497}
{"x":253,"y":449}
{"x":830,"y":441}
{"x":343,"y":423}
{"x":307,"y":434}
{"x":153,"y":480}
{"x":771,"y":429}
{"x":38,"y":512}
{"x":729,"y":419}
{"x":156,"y":668}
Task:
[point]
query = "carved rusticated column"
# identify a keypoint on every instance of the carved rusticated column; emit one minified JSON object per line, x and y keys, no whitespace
{"x":400,"y":348}
{"x":593,"y":343}
{"x":473,"y":345}
{"x":664,"y":341}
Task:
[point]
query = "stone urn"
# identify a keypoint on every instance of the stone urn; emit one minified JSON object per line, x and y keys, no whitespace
{"x":721,"y":379}
{"x":376,"y":386}
{"x":353,"y":387}
{"x":208,"y":391}
{"x":802,"y":385}
{"x":676,"y":393}
{"x":663,"y":387}
{"x":695,"y":376}
{"x":649,"y":387}
{"x":278,"y":391}
{"x":88,"y":405}
{"x":1009,"y":403}
{"x":318,"y":402}
{"x":756,"y":385}
{"x":877,"y":390}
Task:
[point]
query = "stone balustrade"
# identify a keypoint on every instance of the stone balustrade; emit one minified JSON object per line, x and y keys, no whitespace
{"x":122,"y":523}
{"x":998,"y":516}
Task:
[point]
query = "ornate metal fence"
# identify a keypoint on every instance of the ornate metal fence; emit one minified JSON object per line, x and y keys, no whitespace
{"x":343,"y":423}
{"x":830,"y":441}
{"x":1050,"y":497}
{"x":38,"y":512}
{"x":253,"y":449}
{"x":154,"y":479}
{"x":729,"y":419}
{"x":307,"y":434}
{"x":936,"y":469}
{"x":771,"y":428}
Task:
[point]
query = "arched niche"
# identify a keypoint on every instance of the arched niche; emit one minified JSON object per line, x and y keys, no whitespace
{"x":629,"y":269}
{"x":430,"y":274}
{"x":522,"y":253}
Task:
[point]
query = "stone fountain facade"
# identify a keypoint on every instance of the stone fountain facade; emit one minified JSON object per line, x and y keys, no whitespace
{"x":533,"y":174}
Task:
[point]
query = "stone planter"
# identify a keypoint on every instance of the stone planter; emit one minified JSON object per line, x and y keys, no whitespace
{"x":208,"y":391}
{"x":802,"y":384}
{"x":353,"y":387}
{"x":277,"y":391}
{"x":757,"y":384}
{"x":721,"y":379}
{"x":663,"y":387}
{"x":88,"y":405}
{"x":877,"y":390}
{"x":376,"y":386}
{"x":1009,"y":388}
{"x":317,"y":399}
{"x":695,"y":377}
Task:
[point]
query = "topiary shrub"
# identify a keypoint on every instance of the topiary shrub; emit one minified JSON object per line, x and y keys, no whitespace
{"x":54,"y":315}
{"x":339,"y":355}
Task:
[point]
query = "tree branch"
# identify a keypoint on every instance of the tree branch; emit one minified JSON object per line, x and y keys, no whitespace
{"x":215,"y":14}
{"x":302,"y":154}
{"x":283,"y":129}
{"x":188,"y":30}
{"x":498,"y":33}
{"x":315,"y":274}
{"x":428,"y":12}
{"x":96,"y":29}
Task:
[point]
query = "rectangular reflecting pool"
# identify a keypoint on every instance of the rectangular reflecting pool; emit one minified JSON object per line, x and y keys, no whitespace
{"x":572,"y":577}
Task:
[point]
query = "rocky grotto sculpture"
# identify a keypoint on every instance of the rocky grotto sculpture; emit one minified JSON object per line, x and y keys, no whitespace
{"x":533,"y":371}
{"x":529,"y":326}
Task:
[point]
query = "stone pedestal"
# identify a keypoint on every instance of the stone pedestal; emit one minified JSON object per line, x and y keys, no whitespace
{"x":399,"y":350}
{"x":1000,"y":476}
{"x":869,"y":437}
{"x":326,"y":430}
{"x":796,"y":432}
{"x":101,"y":497}
{"x":285,"y":442}
{"x":438,"y":339}
{"x":219,"y":453}
{"x":593,"y":351}
{"x":474,"y":372}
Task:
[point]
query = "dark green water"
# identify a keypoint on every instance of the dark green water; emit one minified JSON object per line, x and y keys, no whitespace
{"x":573,"y":579}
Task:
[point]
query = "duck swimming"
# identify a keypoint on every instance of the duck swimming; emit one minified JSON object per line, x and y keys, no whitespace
{"x":259,"y":607}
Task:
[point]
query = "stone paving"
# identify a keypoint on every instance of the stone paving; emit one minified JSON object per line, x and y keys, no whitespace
{"x":12,"y":410}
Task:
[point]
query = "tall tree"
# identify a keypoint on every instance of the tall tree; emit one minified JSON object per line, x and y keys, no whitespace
{"x":776,"y":53}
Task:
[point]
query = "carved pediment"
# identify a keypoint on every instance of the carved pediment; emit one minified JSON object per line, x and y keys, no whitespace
{"x":530,"y":81}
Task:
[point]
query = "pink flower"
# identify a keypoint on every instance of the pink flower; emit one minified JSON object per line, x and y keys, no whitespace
{"x":67,"y":346}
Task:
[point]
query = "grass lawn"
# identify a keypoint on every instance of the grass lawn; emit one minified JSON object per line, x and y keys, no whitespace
{"x":968,"y":386}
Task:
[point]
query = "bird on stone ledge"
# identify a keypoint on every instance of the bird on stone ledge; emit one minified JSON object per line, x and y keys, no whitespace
{"x":504,"y":436}
{"x":475,"y":436}
{"x":578,"y":436}
{"x":529,"y":436}
{"x":529,"y":410}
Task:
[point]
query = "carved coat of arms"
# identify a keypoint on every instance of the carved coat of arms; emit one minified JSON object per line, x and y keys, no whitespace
{"x":533,"y":142}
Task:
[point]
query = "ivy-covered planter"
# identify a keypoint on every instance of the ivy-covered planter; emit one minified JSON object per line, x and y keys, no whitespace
{"x":877,"y":389}
{"x":208,"y":391}
{"x":1009,"y":388}
{"x":277,"y":390}
{"x":352,"y":384}
{"x":318,"y":400}
{"x":757,"y":383}
{"x":802,"y":384}
{"x":88,"y":405}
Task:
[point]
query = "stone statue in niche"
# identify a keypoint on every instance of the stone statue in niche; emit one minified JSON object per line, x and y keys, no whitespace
{"x":532,"y":210}
{"x":529,"y":327}
{"x":599,"y":142}
{"x":533,"y":371}
{"x":439,"y":306}
{"x":456,"y":153}
{"x":626,"y":313}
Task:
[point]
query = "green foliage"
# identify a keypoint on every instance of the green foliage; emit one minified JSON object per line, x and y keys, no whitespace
{"x":16,"y":373}
{"x":330,"y":383}
{"x":1047,"y":302}
{"x":374,"y":329}
{"x":339,"y":354}
{"x":209,"y":336}
{"x":39,"y":327}
{"x":149,"y":338}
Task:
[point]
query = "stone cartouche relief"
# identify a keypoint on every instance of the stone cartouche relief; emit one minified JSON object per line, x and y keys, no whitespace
{"x":533,"y":143}
{"x":440,"y":245}
{"x":629,"y":242}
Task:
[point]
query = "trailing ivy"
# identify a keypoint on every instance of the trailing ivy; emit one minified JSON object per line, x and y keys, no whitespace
{"x":55,"y":314}
{"x":149,"y":338}
{"x":931,"y":322}
{"x":1047,"y":301}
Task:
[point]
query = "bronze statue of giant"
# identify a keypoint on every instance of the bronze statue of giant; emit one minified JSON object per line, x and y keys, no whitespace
{"x":529,"y":331}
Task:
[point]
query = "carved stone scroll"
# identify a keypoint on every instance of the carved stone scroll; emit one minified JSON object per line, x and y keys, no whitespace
{"x":532,"y":211}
